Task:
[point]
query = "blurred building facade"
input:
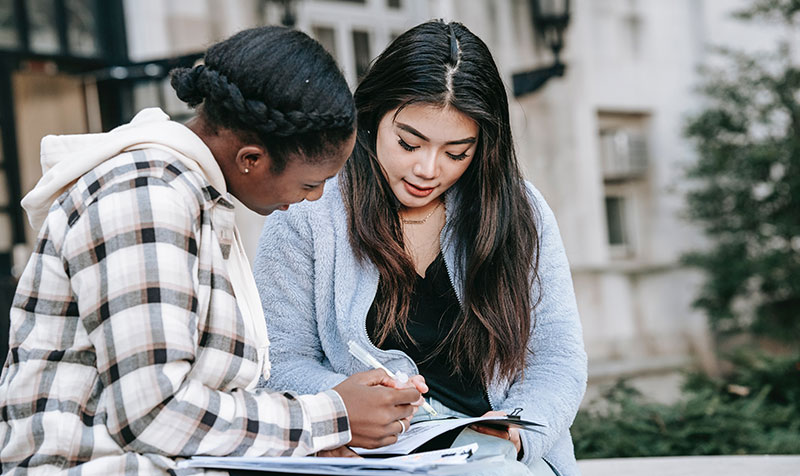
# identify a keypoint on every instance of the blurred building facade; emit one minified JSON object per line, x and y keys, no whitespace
{"x":603,"y":143}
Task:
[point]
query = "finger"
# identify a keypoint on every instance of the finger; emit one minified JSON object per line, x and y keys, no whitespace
{"x":491,"y":431}
{"x":407,"y":396}
{"x":407,"y":422}
{"x":387,"y":440}
{"x":405,"y":411}
{"x":419,"y":382}
{"x":394,"y":396}
{"x":346,"y":452}
{"x":376,"y":377}
{"x":495,"y":413}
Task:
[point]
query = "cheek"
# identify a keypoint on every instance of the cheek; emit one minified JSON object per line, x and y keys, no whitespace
{"x":389,"y":159}
{"x":456,"y":169}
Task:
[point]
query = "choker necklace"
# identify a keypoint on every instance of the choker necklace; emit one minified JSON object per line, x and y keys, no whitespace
{"x":422,"y":220}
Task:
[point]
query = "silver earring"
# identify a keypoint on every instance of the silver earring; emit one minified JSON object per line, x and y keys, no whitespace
{"x":246,"y":170}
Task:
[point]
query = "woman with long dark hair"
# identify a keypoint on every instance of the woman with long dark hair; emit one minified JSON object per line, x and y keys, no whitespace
{"x":137,"y":333}
{"x":433,"y":252}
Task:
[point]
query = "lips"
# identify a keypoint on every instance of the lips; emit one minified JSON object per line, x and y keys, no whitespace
{"x":418,"y":191}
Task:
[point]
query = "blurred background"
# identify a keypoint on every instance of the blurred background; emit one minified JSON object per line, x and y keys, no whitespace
{"x":663,"y":133}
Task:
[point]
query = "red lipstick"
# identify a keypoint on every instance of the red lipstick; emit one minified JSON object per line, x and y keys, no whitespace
{"x":417,"y":191}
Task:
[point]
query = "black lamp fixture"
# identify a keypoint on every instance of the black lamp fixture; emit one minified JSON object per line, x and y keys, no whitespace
{"x":289,"y":15}
{"x":550,"y":19}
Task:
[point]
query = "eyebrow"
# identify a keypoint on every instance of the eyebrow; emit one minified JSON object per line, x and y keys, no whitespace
{"x":411,"y":130}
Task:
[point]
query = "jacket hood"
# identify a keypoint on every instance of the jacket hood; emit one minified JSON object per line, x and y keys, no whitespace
{"x":66,"y":158}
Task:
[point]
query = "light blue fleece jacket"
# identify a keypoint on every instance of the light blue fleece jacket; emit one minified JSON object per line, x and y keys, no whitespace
{"x":316,"y":295}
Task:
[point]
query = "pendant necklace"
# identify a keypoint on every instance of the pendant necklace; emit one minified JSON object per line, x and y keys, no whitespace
{"x":422,"y":220}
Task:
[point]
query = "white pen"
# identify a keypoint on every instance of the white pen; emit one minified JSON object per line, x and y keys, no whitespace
{"x":367,"y":359}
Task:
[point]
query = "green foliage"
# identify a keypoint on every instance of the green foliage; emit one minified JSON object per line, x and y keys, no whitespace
{"x":747,"y":197}
{"x":755,"y":410}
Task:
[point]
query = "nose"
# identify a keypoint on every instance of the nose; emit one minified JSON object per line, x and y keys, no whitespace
{"x":425,"y":167}
{"x":316,"y":193}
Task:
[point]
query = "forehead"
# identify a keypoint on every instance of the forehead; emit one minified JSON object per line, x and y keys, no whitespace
{"x":299,"y":170}
{"x":437,"y":123}
{"x":302,"y":168}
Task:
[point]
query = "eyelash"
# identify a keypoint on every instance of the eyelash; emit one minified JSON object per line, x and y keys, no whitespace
{"x":412,"y":148}
{"x":406,"y":146}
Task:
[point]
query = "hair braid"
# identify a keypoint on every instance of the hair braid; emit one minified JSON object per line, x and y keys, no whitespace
{"x":277,"y":83}
{"x":206,"y":82}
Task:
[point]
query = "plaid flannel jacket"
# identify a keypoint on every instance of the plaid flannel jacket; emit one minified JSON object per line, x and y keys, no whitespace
{"x":127,"y":348}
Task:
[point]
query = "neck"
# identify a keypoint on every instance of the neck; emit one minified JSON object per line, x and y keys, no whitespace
{"x":223,"y":144}
{"x":422,"y":213}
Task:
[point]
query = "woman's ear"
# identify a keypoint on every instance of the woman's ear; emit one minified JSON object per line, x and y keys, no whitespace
{"x":252,"y":158}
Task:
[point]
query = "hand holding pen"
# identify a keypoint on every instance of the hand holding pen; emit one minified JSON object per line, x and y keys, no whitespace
{"x":402,"y":379}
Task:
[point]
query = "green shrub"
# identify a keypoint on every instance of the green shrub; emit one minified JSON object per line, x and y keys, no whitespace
{"x":754,"y":410}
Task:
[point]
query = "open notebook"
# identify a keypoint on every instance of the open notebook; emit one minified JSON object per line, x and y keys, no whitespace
{"x":438,"y":434}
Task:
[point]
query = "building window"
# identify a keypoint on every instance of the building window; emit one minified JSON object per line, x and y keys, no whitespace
{"x":326,"y":37}
{"x":8,"y":26}
{"x":615,"y":218}
{"x":623,"y":145}
{"x":81,"y":27}
{"x":394,"y":4}
{"x":43,"y":26}
{"x":361,"y":53}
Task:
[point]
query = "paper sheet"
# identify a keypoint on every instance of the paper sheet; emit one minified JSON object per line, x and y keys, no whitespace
{"x":424,"y":431}
{"x":420,"y":463}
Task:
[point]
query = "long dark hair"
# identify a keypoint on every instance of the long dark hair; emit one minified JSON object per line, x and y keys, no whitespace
{"x":274,"y":85}
{"x":444,"y":64}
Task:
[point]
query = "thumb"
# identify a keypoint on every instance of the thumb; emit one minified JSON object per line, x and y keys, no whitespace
{"x":376,"y":377}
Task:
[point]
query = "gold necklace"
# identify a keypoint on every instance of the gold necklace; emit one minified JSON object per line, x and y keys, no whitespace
{"x":422,"y":220}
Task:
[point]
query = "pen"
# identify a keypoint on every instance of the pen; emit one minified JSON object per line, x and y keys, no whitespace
{"x":367,"y":359}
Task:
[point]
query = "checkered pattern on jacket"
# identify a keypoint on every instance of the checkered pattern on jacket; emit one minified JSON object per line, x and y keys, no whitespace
{"x":127,"y":347}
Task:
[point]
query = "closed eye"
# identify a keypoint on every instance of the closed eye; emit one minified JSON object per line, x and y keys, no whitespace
{"x":461,"y":156}
{"x":406,"y":145}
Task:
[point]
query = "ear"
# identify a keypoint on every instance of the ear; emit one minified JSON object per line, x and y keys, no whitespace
{"x":252,"y":158}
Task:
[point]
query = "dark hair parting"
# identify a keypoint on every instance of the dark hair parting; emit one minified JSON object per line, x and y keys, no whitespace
{"x":493,"y":222}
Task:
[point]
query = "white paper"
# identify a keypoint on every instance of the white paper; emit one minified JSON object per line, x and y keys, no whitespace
{"x":419,"y":463}
{"x":424,"y":431}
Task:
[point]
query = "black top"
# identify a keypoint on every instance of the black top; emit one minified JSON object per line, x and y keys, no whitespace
{"x":434,"y":309}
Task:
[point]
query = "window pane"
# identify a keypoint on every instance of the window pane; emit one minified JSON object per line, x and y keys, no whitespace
{"x":43,"y":30}
{"x":6,"y":240}
{"x":615,"y":216}
{"x":361,"y":51}
{"x":81,"y":28}
{"x":394,"y":3}
{"x":4,"y":199}
{"x":146,"y":94}
{"x":8,"y":25}
{"x":327,"y":38}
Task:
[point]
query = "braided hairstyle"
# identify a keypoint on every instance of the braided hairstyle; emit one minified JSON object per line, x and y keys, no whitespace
{"x":274,"y":85}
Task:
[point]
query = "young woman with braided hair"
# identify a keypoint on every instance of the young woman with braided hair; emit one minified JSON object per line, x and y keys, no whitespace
{"x":432,"y":251}
{"x":137,"y":333}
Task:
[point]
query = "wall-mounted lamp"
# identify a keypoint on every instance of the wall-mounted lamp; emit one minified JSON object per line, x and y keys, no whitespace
{"x":550,"y":19}
{"x":289,"y":14}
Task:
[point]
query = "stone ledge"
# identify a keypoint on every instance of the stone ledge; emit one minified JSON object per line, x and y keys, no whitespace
{"x":750,"y":465}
